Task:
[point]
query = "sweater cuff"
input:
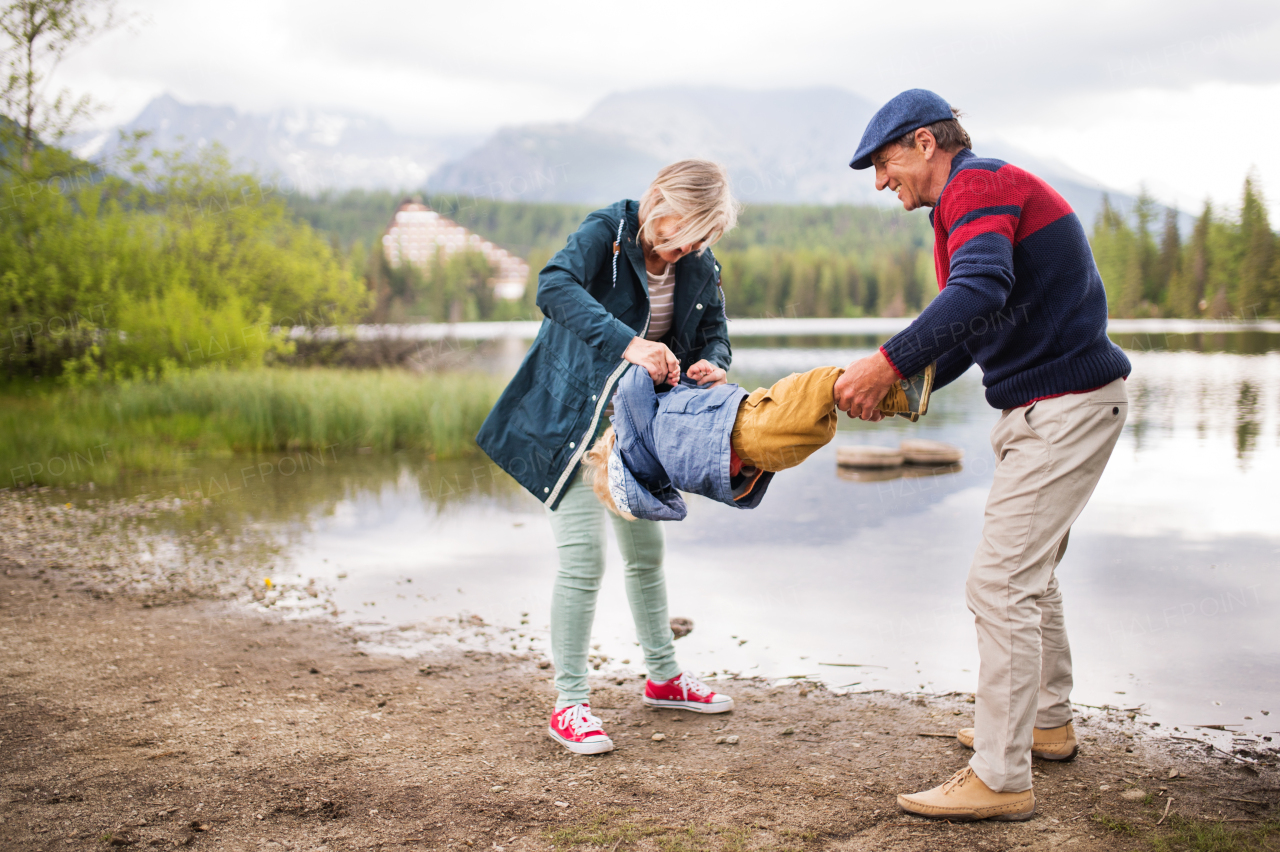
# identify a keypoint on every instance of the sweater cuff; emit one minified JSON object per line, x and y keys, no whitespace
{"x":885,"y":353}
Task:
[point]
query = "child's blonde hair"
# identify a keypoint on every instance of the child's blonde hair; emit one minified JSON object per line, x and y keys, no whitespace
{"x":697,"y":193}
{"x":595,"y":470}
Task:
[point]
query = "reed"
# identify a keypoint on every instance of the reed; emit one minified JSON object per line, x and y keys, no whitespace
{"x":69,"y":437}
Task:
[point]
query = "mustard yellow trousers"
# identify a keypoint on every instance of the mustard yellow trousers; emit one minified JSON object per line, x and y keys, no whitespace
{"x":780,"y":426}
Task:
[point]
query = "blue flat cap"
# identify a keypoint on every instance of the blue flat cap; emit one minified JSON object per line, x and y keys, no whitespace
{"x":912,"y":109}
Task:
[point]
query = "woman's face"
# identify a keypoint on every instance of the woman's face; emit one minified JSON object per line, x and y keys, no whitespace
{"x":663,"y":230}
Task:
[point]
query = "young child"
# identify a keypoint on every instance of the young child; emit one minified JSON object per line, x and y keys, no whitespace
{"x":720,"y":442}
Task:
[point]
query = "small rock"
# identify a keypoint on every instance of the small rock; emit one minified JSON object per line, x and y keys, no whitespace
{"x":1104,"y":788}
{"x":720,"y":740}
{"x":1136,"y":794}
{"x":562,"y":804}
{"x":732,"y":739}
{"x":1173,"y":773}
{"x":786,"y":732}
{"x":657,"y":738}
{"x":496,"y":788}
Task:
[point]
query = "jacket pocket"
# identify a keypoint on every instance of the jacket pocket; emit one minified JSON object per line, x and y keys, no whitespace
{"x":562,"y":381}
{"x":545,"y":416}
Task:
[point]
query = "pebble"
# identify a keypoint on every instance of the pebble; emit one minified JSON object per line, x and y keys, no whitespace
{"x":1173,"y":773}
{"x":562,"y":804}
{"x":657,"y":738}
{"x":681,"y":627}
{"x":1104,"y":788}
{"x":786,"y":732}
{"x":496,"y":789}
{"x":1134,"y":795}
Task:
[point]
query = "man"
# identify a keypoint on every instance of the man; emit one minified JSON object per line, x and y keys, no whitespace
{"x":1020,"y":297}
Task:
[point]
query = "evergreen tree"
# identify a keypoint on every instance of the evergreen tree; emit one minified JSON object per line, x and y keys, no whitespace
{"x":1256,"y":293}
{"x":1198,"y":267}
{"x":1150,"y":287}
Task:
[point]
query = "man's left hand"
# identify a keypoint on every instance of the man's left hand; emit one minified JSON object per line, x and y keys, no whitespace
{"x":706,"y":374}
{"x":865,"y":382}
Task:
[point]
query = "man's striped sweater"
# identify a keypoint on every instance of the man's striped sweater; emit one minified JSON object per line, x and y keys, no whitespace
{"x":1020,"y":293}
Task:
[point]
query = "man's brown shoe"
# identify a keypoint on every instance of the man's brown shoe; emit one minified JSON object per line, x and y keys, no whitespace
{"x":1049,"y":744}
{"x":965,"y":797}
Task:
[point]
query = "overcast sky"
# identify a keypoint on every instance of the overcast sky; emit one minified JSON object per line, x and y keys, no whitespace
{"x":1184,"y":97}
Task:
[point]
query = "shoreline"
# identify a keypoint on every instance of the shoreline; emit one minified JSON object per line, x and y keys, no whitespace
{"x":144,"y":717}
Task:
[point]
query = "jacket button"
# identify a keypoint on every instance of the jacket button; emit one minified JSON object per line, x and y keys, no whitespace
{"x":699,"y":307}
{"x":593,"y":397}
{"x":572,"y":445}
{"x":546,"y":490}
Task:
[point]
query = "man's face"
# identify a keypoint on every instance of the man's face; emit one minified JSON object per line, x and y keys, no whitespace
{"x":905,"y":171}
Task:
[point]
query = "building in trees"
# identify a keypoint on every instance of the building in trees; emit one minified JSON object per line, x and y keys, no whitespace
{"x":419,"y":236}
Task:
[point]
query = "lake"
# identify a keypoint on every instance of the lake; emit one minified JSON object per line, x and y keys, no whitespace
{"x":1170,"y":581}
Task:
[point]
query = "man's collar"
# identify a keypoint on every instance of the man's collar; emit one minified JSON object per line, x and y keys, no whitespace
{"x":963,"y":155}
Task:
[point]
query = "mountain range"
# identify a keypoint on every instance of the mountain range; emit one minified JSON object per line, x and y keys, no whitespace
{"x":785,"y":146}
{"x":308,"y":149}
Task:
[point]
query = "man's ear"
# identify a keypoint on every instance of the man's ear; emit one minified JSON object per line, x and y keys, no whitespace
{"x":926,"y":142}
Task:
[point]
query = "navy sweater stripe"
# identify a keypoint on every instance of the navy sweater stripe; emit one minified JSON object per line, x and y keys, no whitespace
{"x":1021,"y":295}
{"x":974,"y":215}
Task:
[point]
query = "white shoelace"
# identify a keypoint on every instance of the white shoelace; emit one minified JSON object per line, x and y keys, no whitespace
{"x":579,"y":719}
{"x":689,"y":683}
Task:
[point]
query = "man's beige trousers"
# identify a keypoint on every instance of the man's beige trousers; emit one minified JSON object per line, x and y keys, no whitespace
{"x":1049,"y":457}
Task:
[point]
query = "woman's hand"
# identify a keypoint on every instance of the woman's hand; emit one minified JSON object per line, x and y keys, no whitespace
{"x":656,"y":358}
{"x":706,"y":374}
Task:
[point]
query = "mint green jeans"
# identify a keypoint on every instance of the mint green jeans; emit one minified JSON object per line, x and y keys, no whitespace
{"x":578,"y":525}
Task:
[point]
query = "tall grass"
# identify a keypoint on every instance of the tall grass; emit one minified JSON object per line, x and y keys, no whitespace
{"x":67,"y":437}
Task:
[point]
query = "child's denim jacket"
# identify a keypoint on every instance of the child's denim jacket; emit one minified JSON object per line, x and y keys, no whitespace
{"x":673,"y":442}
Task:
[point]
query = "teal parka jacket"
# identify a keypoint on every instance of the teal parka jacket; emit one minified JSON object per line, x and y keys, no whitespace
{"x":594,"y":297}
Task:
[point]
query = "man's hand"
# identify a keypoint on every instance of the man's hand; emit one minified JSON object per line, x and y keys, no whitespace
{"x":660,"y":362}
{"x":864,"y":383}
{"x":706,"y":374}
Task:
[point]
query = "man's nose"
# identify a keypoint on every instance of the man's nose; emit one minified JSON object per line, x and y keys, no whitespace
{"x":882,"y":179}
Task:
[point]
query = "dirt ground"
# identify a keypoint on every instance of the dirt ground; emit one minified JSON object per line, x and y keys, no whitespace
{"x":131,"y":719}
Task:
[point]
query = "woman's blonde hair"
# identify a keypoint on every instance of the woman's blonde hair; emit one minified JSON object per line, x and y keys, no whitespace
{"x":697,"y":193}
{"x":595,"y":469}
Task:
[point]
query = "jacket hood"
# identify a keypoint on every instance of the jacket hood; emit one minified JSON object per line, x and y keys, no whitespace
{"x":638,"y":477}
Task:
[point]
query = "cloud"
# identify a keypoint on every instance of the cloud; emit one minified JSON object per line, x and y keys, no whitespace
{"x":1030,"y":72}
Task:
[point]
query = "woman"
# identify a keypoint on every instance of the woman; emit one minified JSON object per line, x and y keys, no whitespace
{"x":634,"y":285}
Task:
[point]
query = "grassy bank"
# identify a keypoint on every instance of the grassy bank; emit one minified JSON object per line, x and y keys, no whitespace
{"x":65,"y":437}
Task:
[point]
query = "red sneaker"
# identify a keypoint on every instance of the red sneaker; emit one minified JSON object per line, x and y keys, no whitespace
{"x":686,"y":692}
{"x":577,"y":730}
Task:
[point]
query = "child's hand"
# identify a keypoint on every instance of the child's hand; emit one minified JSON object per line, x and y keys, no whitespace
{"x":706,"y":374}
